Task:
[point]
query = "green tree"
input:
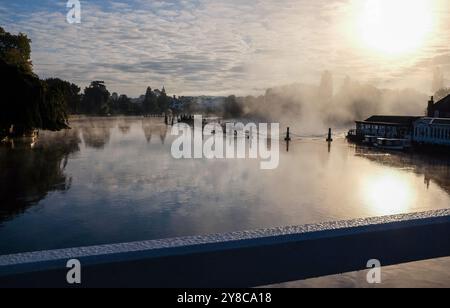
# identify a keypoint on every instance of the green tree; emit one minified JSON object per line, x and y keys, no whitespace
{"x":163,"y":101}
{"x":125,"y":105}
{"x":150,"y":104}
{"x":113,"y":103}
{"x":69,"y":91}
{"x":27,"y":102}
{"x":22,"y":97}
{"x":15,"y":50}
{"x":95,"y":99}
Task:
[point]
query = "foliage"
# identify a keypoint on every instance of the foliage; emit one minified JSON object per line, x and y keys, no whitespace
{"x":232,"y":108}
{"x":27,"y":102}
{"x":15,"y":50}
{"x":442,"y":93}
{"x":95,"y":99}
{"x":70,"y":92}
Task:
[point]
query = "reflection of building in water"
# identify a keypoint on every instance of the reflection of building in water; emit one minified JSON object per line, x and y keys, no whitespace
{"x":96,"y":132}
{"x":28,"y":175}
{"x":434,"y":168}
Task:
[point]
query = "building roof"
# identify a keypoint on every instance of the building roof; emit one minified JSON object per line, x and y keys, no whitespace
{"x":391,"y":120}
{"x":443,"y":103}
{"x":435,"y":121}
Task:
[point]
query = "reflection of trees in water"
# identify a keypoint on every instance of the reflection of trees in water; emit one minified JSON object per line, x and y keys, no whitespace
{"x":124,"y":125}
{"x":433,"y":168}
{"x":124,"y":129}
{"x":96,"y":132}
{"x":150,"y":128}
{"x":28,"y":175}
{"x":163,"y":133}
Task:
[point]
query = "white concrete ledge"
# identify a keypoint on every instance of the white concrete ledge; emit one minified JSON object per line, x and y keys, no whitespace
{"x":236,"y":259}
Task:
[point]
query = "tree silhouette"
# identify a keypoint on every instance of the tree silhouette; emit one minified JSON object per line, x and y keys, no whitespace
{"x":163,"y":101}
{"x":150,"y":104}
{"x":28,"y":175}
{"x":95,"y":99}
{"x":15,"y":50}
{"x":27,"y":102}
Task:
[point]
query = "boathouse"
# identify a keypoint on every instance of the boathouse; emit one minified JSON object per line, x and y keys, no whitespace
{"x":440,"y":109}
{"x":396,"y":127}
{"x":435,"y":131}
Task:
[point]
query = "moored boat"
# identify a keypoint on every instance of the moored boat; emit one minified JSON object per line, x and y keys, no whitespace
{"x":393,"y":144}
{"x":370,"y":140}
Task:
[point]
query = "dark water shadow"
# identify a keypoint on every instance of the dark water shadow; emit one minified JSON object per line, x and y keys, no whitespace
{"x":28,"y":175}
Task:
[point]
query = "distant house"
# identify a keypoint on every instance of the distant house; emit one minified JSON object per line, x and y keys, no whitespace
{"x":395,"y":127}
{"x":435,"y":131}
{"x":440,"y":109}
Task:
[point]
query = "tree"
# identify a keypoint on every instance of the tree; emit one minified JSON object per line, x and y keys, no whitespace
{"x":150,"y":104}
{"x":15,"y":50}
{"x":163,"y":101}
{"x":95,"y":99}
{"x":232,"y":108}
{"x":69,"y":91}
{"x":124,"y":105}
{"x":442,"y":93}
{"x":22,"y":96}
{"x":27,"y":102}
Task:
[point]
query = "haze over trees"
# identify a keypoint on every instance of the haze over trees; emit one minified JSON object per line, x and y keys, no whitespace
{"x":442,"y":93}
{"x":29,"y":103}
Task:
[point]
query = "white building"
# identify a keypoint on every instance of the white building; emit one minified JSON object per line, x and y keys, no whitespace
{"x":434,"y":131}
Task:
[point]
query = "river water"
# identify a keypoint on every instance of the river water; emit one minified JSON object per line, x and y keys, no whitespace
{"x":111,"y":180}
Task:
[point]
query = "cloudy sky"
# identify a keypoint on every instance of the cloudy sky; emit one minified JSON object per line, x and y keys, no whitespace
{"x":235,"y":46}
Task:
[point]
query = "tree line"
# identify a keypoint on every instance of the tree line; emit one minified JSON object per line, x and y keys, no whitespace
{"x":30,"y":103}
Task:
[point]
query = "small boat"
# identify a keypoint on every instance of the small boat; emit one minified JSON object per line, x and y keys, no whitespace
{"x":370,"y":140}
{"x":393,"y":144}
{"x":352,"y":136}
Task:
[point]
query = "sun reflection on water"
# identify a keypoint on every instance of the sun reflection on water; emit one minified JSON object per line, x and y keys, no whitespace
{"x":388,"y":193}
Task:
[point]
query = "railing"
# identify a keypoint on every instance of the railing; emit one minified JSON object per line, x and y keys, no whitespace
{"x":240,"y":259}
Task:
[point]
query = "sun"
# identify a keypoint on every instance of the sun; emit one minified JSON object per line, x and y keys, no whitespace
{"x":395,"y":26}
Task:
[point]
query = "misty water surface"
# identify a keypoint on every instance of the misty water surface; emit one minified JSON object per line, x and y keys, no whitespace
{"x":114,"y":180}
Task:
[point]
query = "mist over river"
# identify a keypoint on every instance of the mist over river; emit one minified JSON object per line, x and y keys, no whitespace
{"x":111,"y":180}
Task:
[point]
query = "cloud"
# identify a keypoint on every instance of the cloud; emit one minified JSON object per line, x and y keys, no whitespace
{"x":208,"y":46}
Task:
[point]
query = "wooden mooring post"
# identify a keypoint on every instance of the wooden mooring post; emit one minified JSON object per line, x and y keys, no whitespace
{"x":288,"y":135}
{"x":330,"y":136}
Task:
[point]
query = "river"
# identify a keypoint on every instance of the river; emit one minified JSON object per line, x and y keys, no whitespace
{"x":111,"y":180}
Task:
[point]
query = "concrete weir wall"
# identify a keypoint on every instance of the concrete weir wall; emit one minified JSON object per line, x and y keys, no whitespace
{"x":240,"y":259}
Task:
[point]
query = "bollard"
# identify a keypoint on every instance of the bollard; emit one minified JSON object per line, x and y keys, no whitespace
{"x":330,"y":138}
{"x":288,"y":135}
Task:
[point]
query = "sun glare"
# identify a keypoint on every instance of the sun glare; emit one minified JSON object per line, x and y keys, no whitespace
{"x":388,"y":193}
{"x":395,"y":26}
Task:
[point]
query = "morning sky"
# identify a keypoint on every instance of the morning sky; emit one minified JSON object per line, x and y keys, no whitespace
{"x":239,"y":47}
